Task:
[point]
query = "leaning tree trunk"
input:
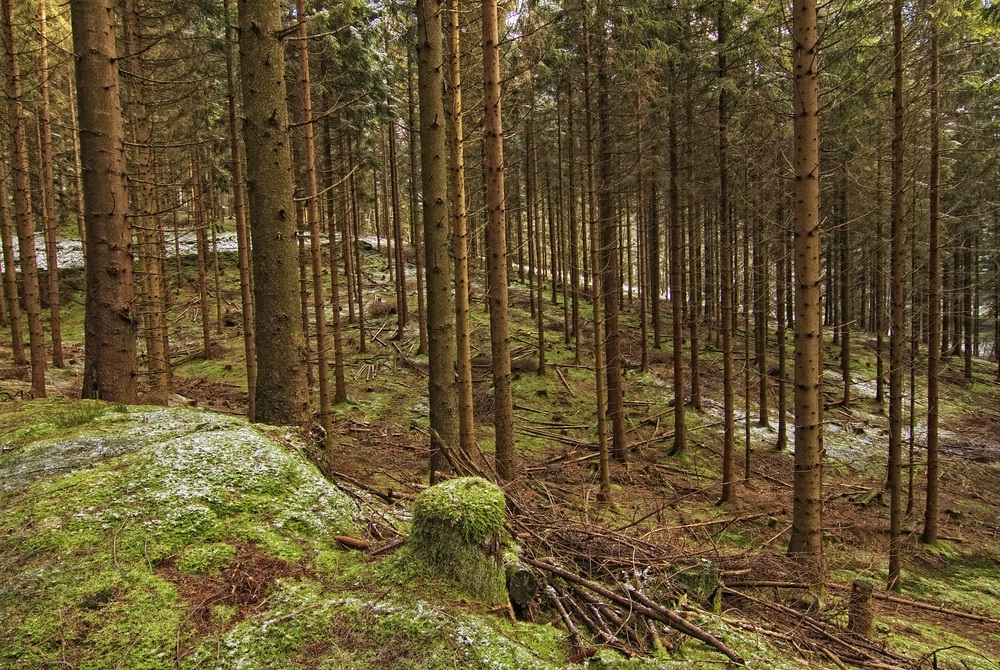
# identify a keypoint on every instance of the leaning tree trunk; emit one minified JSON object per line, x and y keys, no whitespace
{"x":282,"y":394}
{"x":807,"y":527}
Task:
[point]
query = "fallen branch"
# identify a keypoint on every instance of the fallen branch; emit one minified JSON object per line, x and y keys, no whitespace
{"x":657,"y":612}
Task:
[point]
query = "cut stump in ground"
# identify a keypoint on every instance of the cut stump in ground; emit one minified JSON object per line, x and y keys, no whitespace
{"x":458,"y":531}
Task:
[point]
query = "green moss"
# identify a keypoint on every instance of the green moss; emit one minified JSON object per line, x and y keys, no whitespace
{"x":206,"y":558}
{"x":458,"y":527}
{"x":474,"y":507}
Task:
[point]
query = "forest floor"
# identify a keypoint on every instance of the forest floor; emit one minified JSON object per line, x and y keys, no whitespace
{"x":948,"y":612}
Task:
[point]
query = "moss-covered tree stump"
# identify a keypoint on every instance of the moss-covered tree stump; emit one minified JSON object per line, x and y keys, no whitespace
{"x":458,"y":531}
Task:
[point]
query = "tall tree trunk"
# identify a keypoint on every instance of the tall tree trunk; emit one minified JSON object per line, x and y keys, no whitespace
{"x":239,"y":215}
{"x":437,"y":242}
{"x":596,"y":276}
{"x":22,"y":207}
{"x":807,"y":526}
{"x":47,"y":186}
{"x":676,"y":273}
{"x":846,"y":320}
{"x":146,"y":221}
{"x":10,"y":279}
{"x":496,"y":246}
{"x":725,"y":272}
{"x":201,"y":242}
{"x":538,"y":267}
{"x":312,"y":220}
{"x":110,"y":369}
{"x":397,"y":238}
{"x":413,"y":134}
{"x":696,"y":230}
{"x":930,"y":531}
{"x":897,"y":323}
{"x":77,"y":172}
{"x":460,"y":225}
{"x":282,"y":394}
{"x":781,"y":287}
{"x":610,"y":249}
{"x":574,"y":237}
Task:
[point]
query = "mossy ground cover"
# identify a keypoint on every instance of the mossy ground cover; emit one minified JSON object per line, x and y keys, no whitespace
{"x":97,"y":588}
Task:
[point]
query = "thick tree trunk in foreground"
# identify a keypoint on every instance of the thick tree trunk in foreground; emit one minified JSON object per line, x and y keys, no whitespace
{"x":282,"y":394}
{"x":807,"y":528}
{"x":111,"y":322}
{"x":437,"y":241}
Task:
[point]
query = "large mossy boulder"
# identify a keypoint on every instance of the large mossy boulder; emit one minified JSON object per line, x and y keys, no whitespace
{"x":458,"y":533}
{"x":129,"y":536}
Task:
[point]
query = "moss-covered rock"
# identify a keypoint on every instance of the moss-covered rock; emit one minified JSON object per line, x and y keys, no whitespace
{"x":147,"y":538}
{"x":458,"y":532}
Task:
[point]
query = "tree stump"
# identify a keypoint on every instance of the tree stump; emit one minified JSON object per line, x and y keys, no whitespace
{"x":700,"y":580}
{"x":522,"y":585}
{"x":458,"y":529}
{"x":860,"y":614}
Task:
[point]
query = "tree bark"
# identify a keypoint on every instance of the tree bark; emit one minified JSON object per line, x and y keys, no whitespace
{"x":460,"y":231}
{"x":437,"y":242}
{"x":282,"y":393}
{"x":22,"y":207}
{"x":807,"y":527}
{"x":312,"y":221}
{"x":496,"y":246}
{"x":239,"y":215}
{"x":897,"y":323}
{"x":111,"y":322}
{"x":930,"y":531}
{"x":47,"y":187}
